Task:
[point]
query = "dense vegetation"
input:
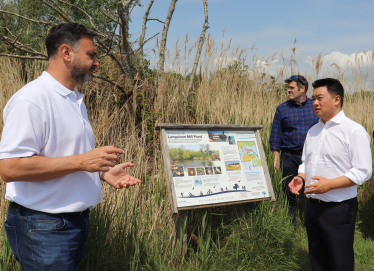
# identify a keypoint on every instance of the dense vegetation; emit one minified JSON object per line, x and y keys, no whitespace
{"x":134,"y":229}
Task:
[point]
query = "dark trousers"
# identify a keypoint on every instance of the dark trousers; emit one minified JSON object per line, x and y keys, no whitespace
{"x":290,"y":162}
{"x":330,"y":227}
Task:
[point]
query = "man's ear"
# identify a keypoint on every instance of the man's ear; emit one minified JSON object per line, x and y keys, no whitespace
{"x":337,"y":100}
{"x":302,"y":88}
{"x":66,"y":51}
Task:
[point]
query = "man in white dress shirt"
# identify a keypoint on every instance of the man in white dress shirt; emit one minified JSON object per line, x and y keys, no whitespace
{"x":49,"y":161}
{"x":336,"y":159}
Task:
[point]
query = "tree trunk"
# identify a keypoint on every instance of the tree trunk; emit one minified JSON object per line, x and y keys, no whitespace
{"x":141,"y":39}
{"x":124,"y":14}
{"x":161,"y":60}
{"x":199,"y":49}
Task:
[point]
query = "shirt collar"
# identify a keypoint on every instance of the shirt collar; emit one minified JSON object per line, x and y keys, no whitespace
{"x":58,"y":87}
{"x":337,"y":119}
{"x":306,"y":100}
{"x":303,"y":103}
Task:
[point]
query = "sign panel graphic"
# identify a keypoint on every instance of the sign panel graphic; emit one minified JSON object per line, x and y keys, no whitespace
{"x":215,"y":166}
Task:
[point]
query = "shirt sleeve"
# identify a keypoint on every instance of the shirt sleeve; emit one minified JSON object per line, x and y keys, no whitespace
{"x":302,"y":167}
{"x":360,"y":155}
{"x":275,"y":137}
{"x":24,"y":132}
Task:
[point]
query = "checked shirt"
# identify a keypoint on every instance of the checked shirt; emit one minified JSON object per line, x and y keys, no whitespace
{"x":291,"y":124}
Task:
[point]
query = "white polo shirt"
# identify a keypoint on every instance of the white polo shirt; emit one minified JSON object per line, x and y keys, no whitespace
{"x":45,"y":118}
{"x":340,"y":147}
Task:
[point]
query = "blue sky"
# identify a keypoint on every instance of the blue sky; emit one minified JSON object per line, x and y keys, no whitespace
{"x":337,"y":29}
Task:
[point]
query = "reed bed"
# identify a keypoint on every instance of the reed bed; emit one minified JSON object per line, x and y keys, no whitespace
{"x":133,"y":229}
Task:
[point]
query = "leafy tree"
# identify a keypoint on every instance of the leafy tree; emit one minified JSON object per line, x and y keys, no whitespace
{"x":174,"y":155}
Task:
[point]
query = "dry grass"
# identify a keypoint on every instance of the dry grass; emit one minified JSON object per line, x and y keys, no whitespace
{"x":222,"y":96}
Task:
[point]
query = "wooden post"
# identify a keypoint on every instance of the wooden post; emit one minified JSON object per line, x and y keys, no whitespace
{"x":180,"y":220}
{"x":168,"y":173}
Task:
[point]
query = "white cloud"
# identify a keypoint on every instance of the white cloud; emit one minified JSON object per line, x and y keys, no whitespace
{"x":345,"y":60}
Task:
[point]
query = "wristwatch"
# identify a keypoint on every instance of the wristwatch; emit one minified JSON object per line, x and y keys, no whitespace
{"x":102,"y":176}
{"x":296,"y":176}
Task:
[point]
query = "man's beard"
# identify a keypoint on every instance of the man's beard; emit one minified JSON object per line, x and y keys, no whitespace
{"x":79,"y":73}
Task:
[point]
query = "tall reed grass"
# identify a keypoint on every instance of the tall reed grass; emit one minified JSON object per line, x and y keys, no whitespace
{"x":132,"y":229}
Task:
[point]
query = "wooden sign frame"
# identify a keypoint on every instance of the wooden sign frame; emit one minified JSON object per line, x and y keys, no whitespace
{"x":168,"y":171}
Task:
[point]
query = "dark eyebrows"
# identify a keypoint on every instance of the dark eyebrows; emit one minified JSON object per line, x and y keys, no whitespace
{"x":318,"y":95}
{"x":92,"y":53}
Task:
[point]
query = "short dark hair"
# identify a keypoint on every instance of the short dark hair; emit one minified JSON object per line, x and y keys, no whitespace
{"x":334,"y":87}
{"x":66,"y":33}
{"x":300,"y":81}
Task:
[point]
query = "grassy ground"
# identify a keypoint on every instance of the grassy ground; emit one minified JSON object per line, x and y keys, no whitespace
{"x":133,"y":229}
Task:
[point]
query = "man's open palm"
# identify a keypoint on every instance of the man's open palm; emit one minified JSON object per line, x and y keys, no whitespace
{"x":119,"y":178}
{"x":295,"y":185}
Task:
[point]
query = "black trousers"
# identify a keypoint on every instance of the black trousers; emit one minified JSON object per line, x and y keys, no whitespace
{"x":330,"y":227}
{"x":290,"y":162}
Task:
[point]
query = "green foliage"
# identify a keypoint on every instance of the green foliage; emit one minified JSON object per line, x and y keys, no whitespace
{"x":237,"y":67}
{"x":364,"y":251}
{"x":177,"y":154}
{"x":30,"y":33}
{"x":35,"y":33}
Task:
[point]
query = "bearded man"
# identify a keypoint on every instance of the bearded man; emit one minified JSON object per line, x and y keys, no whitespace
{"x":48,"y":159}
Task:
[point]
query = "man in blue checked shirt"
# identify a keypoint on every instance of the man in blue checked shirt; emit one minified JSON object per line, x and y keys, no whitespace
{"x":291,"y":123}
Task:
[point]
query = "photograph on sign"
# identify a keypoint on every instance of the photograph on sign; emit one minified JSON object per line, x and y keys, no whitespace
{"x":212,"y":167}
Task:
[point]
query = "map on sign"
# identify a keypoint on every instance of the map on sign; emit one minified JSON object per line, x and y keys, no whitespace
{"x":248,"y":151}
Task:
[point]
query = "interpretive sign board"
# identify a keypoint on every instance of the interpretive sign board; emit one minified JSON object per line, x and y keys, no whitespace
{"x":213,"y":165}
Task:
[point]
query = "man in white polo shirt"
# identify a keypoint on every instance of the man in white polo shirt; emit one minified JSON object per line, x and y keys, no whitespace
{"x":336,"y":158}
{"x":48,"y":159}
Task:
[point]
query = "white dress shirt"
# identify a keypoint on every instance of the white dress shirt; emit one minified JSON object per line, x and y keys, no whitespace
{"x":44,"y":118}
{"x":341,"y":147}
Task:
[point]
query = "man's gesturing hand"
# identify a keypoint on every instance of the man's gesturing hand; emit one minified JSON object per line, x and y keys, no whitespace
{"x":320,"y":187}
{"x":295,"y":185}
{"x":119,"y":178}
{"x":99,"y":159}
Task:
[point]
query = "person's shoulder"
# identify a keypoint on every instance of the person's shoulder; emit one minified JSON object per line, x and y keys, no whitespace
{"x":33,"y":91}
{"x":316,"y":128}
{"x":351,"y":125}
{"x":284,"y":105}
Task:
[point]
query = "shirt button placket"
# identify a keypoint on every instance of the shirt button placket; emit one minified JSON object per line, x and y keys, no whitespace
{"x":318,"y":152}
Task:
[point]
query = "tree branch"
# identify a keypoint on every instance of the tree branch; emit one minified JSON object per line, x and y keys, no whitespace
{"x":142,"y":36}
{"x":24,"y":57}
{"x":59,"y":11}
{"x":111,"y":41}
{"x":112,"y":56}
{"x":24,"y":48}
{"x":85,"y":13}
{"x":161,"y":59}
{"x":140,"y":48}
{"x":124,"y":15}
{"x":199,"y":49}
{"x":28,"y":19}
{"x":114,"y":20}
{"x":15,"y":40}
{"x":113,"y":83}
{"x":153,"y":19}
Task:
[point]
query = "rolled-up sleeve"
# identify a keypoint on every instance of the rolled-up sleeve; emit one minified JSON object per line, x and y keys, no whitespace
{"x":24,"y":130}
{"x":275,"y":136}
{"x":360,"y":154}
